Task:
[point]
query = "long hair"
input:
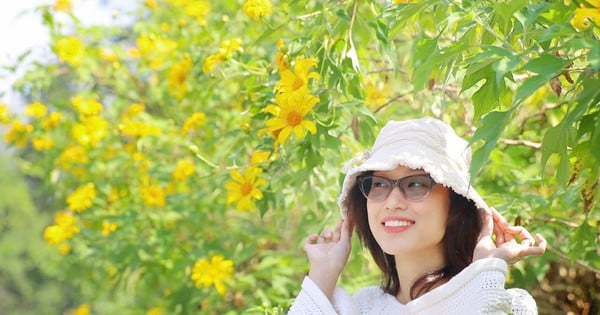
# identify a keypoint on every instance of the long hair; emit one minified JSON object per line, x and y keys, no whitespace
{"x":462,"y":230}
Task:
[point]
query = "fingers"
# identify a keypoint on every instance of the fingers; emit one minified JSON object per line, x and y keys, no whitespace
{"x":342,"y":232}
{"x":346,"y":231}
{"x":488,"y":224}
{"x":542,"y":243}
{"x":338,"y":231}
{"x":498,"y":218}
{"x":532,"y":250}
{"x":524,"y":235}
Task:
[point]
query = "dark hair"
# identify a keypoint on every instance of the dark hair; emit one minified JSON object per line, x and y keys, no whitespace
{"x":462,"y":230}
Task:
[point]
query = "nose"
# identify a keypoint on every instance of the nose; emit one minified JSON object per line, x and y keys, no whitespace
{"x":396,"y":199}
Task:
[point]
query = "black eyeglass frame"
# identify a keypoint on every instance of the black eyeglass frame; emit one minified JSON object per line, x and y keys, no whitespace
{"x":393,"y":183}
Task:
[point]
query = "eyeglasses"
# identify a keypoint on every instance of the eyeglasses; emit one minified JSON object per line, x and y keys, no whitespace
{"x":413,"y":187}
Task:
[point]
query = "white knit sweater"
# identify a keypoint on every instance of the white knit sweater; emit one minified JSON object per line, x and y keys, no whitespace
{"x":478,"y":289}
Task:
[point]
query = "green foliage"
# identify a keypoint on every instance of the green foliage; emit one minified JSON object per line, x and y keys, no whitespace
{"x":172,"y":121}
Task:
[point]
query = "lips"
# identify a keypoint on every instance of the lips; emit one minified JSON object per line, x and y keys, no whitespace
{"x":397,"y":224}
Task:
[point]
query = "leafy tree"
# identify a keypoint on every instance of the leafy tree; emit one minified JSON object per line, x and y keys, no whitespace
{"x":186,"y":156}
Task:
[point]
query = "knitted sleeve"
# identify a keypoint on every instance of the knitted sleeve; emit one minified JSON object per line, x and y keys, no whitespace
{"x":522,"y":302}
{"x":311,"y":300}
{"x":478,"y":289}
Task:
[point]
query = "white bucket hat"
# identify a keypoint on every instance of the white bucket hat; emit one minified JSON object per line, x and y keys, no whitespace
{"x":425,"y":143}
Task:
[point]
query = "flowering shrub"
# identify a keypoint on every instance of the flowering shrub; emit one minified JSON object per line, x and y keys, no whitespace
{"x":189,"y":153}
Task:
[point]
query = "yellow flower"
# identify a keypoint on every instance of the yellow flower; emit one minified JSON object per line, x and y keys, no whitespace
{"x":17,"y":134}
{"x":36,"y":110}
{"x":66,"y":221}
{"x":298,"y":79}
{"x":86,"y":107}
{"x":183,"y":170}
{"x":154,"y":44}
{"x":4,"y":115}
{"x":243,"y":188}
{"x":153,"y":196}
{"x":211,"y":62}
{"x":64,"y":248}
{"x":194,"y":121}
{"x":133,"y":110}
{"x":206,"y":273}
{"x":178,"y":2}
{"x":151,"y":4}
{"x":376,"y":95}
{"x":230,"y":46}
{"x":585,"y":17}
{"x":90,"y":131}
{"x":70,"y":50}
{"x":52,"y":120}
{"x":197,"y":9}
{"x":82,"y":198}
{"x":83,"y":309}
{"x":281,"y":62}
{"x":155,"y":49}
{"x":292,"y":109}
{"x":255,"y":9}
{"x":134,"y":52}
{"x":54,"y":234}
{"x":177,"y":77}
{"x":259,"y":157}
{"x":108,"y":227}
{"x":157,"y":310}
{"x":42,"y":143}
{"x":63,"y":5}
{"x":62,"y":230}
{"x":107,"y":55}
{"x":138,"y":129}
{"x":72,"y":155}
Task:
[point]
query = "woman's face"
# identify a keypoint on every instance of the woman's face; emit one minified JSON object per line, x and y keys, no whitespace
{"x":402,"y":226}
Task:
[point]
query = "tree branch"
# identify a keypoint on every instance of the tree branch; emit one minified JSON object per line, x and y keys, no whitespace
{"x":577,"y":262}
{"x":527,"y":143}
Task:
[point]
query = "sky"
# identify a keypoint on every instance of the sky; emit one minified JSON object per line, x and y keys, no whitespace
{"x":21,"y":29}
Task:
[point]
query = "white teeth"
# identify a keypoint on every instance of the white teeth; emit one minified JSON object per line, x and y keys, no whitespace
{"x":398,"y":223}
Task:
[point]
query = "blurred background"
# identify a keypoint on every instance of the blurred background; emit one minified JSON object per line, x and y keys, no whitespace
{"x":143,"y":168}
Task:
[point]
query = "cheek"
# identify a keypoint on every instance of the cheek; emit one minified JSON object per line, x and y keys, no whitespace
{"x":372,"y":209}
{"x":444,"y":206}
{"x":441,"y":202}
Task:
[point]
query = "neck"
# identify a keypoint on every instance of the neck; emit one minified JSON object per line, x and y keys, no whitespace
{"x":413,"y":266}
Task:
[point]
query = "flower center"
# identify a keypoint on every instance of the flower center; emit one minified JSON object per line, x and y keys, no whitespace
{"x":180,"y":78}
{"x":294,"y":118}
{"x":298,"y":83}
{"x":246,"y":188}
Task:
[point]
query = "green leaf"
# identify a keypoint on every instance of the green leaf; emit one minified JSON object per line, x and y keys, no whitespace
{"x":594,"y":55}
{"x":493,"y":125}
{"x":556,"y":140}
{"x":591,"y":124}
{"x":492,"y":65}
{"x":582,"y":240}
{"x":506,"y":10}
{"x":425,"y":52}
{"x":547,"y":67}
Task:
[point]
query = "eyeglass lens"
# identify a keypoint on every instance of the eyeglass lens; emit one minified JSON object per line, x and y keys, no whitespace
{"x":414,"y":187}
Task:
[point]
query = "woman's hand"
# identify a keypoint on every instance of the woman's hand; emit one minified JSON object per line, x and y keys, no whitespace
{"x":506,"y":245}
{"x":328,"y":254}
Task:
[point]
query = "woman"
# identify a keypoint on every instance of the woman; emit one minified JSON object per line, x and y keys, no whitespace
{"x":411,"y":202}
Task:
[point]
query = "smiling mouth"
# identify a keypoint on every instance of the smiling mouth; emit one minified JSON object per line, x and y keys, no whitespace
{"x":398,"y":223}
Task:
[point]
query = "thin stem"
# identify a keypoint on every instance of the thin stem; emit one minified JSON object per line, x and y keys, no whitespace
{"x":196,"y":151}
